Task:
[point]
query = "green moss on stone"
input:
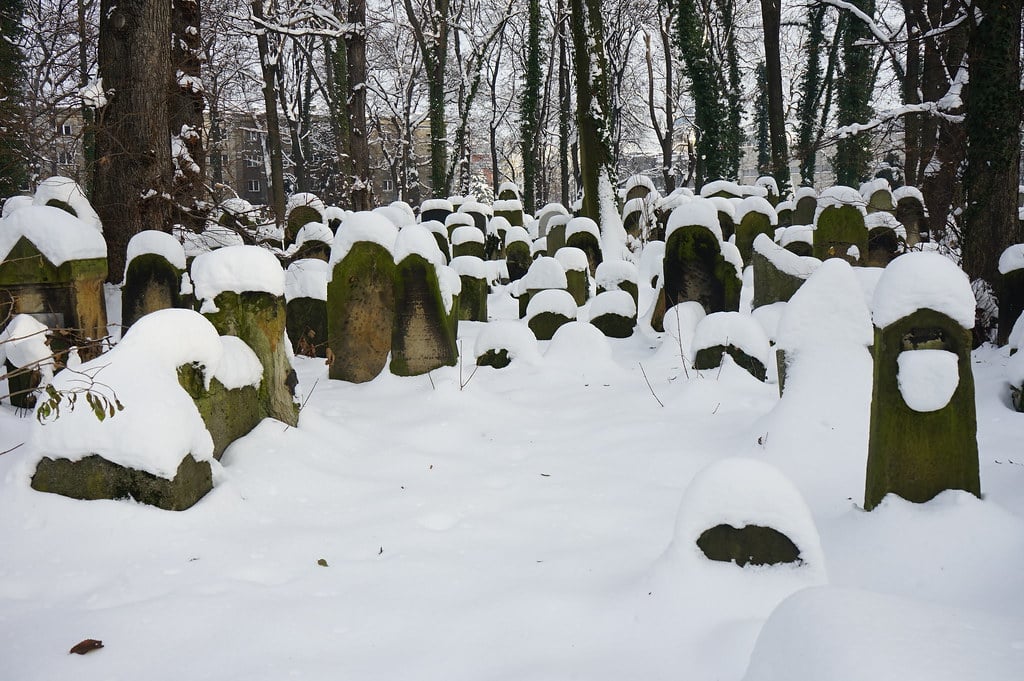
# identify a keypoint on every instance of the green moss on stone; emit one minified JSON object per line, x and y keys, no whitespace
{"x":473,"y":299}
{"x":545,"y":324}
{"x":838,"y":228}
{"x":711,"y":358}
{"x":696,"y":270}
{"x":517,"y":259}
{"x":297,"y":219}
{"x":474,"y":248}
{"x":423,"y":337}
{"x":614,"y":325}
{"x":578,"y":285}
{"x":752,"y":224}
{"x":748,"y":545}
{"x":227,"y":414}
{"x":556,"y":238}
{"x":586,"y":242}
{"x":772,"y":285}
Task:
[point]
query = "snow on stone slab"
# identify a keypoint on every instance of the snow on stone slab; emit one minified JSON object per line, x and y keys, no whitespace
{"x":696,"y":211}
{"x":436,"y":204}
{"x":510,"y":186}
{"x":905,"y":192}
{"x":797,"y":233}
{"x":363,"y":226}
{"x":674,"y":199}
{"x":639,"y":181}
{"x":544,"y":272}
{"x":611,"y":273}
{"x":238,"y":207}
{"x":306,"y":278}
{"x":582,"y":225}
{"x":558,"y":301}
{"x":449,"y":283}
{"x":837,"y":196}
{"x":828,"y":309}
{"x":539,"y":245}
{"x":410,"y":214}
{"x":927,"y":379}
{"x":459,"y":219}
{"x":498,"y":224}
{"x":239,"y":366}
{"x":802,"y":192}
{"x":732,"y":328}
{"x":464,"y":234}
{"x":476,"y":207}
{"x":415,"y":239}
{"x":721,"y":186}
{"x":727,"y":206}
{"x":785,"y":205}
{"x":314,"y":231}
{"x":436,"y":227}
{"x":66,"y":190}
{"x":785,"y":260}
{"x":555,"y":208}
{"x":844,"y":634}
{"x":514,"y":234}
{"x":876,"y":185}
{"x":576,"y":343}
{"x":757,"y":204}
{"x":887,"y":220}
{"x":23,"y":342}
{"x":159,"y":424}
{"x":237,"y":269}
{"x":13,"y":203}
{"x":396,"y":216}
{"x":1012,"y":259}
{"x":512,"y":336}
{"x":769,"y":183}
{"x":469,"y":266}
{"x":507,"y":205}
{"x":59,"y":235}
{"x":305,"y":199}
{"x":572,"y":259}
{"x":612,"y":302}
{"x":919,"y":280}
{"x":158,"y":243}
{"x":633,"y":206}
{"x":753,"y":190}
{"x":332,"y":213}
{"x":740,"y":492}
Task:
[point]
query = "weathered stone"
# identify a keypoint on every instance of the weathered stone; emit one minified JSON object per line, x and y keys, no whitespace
{"x":911,"y":214}
{"x":748,"y":545}
{"x":150,"y":283}
{"x":517,"y":259}
{"x":227,"y":414}
{"x":423,"y":337}
{"x":544,"y":324}
{"x":752,"y":224}
{"x":840,"y":233}
{"x":695,"y":269}
{"x":588,"y":243}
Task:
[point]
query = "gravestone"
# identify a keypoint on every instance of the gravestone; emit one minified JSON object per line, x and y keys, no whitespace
{"x":548,"y":310}
{"x":313,"y":240}
{"x":556,"y":232}
{"x":545,"y":273}
{"x":806,"y":206}
{"x":517,"y":253}
{"x":618,"y":275}
{"x":1011,"y":290}
{"x":583,"y":233}
{"x":436,"y":209}
{"x":696,"y":266}
{"x":468,"y":240}
{"x":756,"y":216}
{"x":305,"y":294}
{"x":639,"y":187}
{"x":730,"y":333}
{"x":301,"y":209}
{"x":839,"y":232}
{"x":153,"y":276}
{"x":911,"y":213}
{"x":886,"y":239}
{"x":614,"y":313}
{"x":576,"y":266}
{"x":473,"y":298}
{"x":778,"y":273}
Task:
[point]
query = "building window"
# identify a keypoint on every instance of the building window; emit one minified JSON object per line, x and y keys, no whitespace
{"x":251,"y":161}
{"x":253,"y":185}
{"x":65,"y":158}
{"x":387,"y":185}
{"x":65,"y":129}
{"x":252,"y":136}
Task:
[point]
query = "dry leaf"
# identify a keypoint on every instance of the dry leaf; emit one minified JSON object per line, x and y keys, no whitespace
{"x":86,"y":646}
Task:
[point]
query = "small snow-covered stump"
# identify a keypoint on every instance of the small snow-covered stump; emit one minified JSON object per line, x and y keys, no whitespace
{"x":911,"y":213}
{"x":556,"y":232}
{"x":361,"y":297}
{"x":878,"y":196}
{"x":731,"y":333}
{"x":508,"y":191}
{"x":241,"y":289}
{"x":313,"y":241}
{"x":1011,"y":290}
{"x":302,"y":208}
{"x":545,"y":214}
{"x":548,"y":310}
{"x":436,"y":209}
{"x":473,"y":299}
{"x":923,"y":433}
{"x":576,"y":265}
{"x":545,"y":273}
{"x":746,"y":512}
{"x":886,"y":238}
{"x":52,"y":266}
{"x":518,"y":254}
{"x":423,"y":336}
{"x":153,"y":275}
{"x":502,"y":342}
{"x":698,"y":265}
{"x":305,"y":295}
{"x":755,"y":216}
{"x":618,"y":275}
{"x":440,"y":233}
{"x":583,"y":233}
{"x":468,"y":240}
{"x":839,"y":230}
{"x":510,"y":209}
{"x":27,"y":359}
{"x":456,"y":220}
{"x":157,"y":450}
{"x":778,"y":272}
{"x":64,"y":193}
{"x":805,"y":206}
{"x":614,"y":313}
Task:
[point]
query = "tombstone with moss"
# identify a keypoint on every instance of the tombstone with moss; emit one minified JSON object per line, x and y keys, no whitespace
{"x":468,"y":240}
{"x":440,"y":234}
{"x":784,"y":210}
{"x":577,"y":267}
{"x":480,"y":212}
{"x":545,"y":214}
{"x":53,"y":266}
{"x":473,"y":298}
{"x":797,"y":239}
{"x":778,"y":273}
{"x":614,"y":313}
{"x":544,"y":273}
{"x":508,"y":191}
{"x":755,"y":216}
{"x":301,"y":209}
{"x":313,"y":241}
{"x":698,"y":265}
{"x":305,"y":294}
{"x":911,"y":213}
{"x":805,"y":206}
{"x":455,"y":220}
{"x":878,"y":196}
{"x":584,"y":234}
{"x":361,"y":298}
{"x":730,"y":333}
{"x":727,"y":218}
{"x":1011,"y":290}
{"x":634,"y":217}
{"x":423,"y":337}
{"x":25,"y":359}
{"x":153,"y":276}
{"x":548,"y":310}
{"x":556,"y":232}
{"x":518,"y":255}
{"x":839,"y":229}
{"x":923,"y":431}
{"x":618,"y":275}
{"x":510,"y":209}
{"x":241,"y":289}
{"x":886,"y":239}
{"x":436,"y":209}
{"x":494,"y":241}
{"x":501,"y":343}
{"x":66,"y":194}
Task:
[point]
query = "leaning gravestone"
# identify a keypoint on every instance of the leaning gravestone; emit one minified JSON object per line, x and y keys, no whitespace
{"x":922,"y":437}
{"x":305,"y":294}
{"x":153,"y":275}
{"x":361,"y":297}
{"x":423,"y":335}
{"x":778,"y":272}
{"x":241,"y":290}
{"x":1011,"y":290}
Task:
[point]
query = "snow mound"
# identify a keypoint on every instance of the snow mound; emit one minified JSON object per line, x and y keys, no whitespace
{"x":59,"y":235}
{"x":514,"y":234}
{"x":920,"y":280}
{"x":306,"y":278}
{"x":23,"y":343}
{"x":695,"y":212}
{"x":158,"y":243}
{"x":512,"y":336}
{"x":828,"y":310}
{"x":611,"y":273}
{"x":680,"y":322}
{"x":785,"y":260}
{"x":13,"y":203}
{"x":556,"y":300}
{"x":652,"y":261}
{"x":582,"y":225}
{"x":314,"y":231}
{"x":544,"y":273}
{"x":572,"y":259}
{"x":395,"y":215}
{"x":436,"y":204}
{"x":305,"y":199}
{"x":576,"y":343}
{"x":612,"y":302}
{"x":756,"y":204}
{"x":927,"y":379}
{"x":415,"y":239}
{"x":363,"y":226}
{"x":465,"y":234}
{"x":727,"y":206}
{"x":238,"y":366}
{"x":238,"y":269}
{"x":66,"y":190}
{"x":721,"y":186}
{"x":732,"y":328}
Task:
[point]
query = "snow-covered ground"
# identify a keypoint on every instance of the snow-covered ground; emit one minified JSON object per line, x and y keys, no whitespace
{"x":521,"y":524}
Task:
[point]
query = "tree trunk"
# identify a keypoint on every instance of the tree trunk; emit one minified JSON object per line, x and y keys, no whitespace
{"x":853,"y":153}
{"x":771,"y":17}
{"x":362,"y":192}
{"x":133,"y":167}
{"x":564,"y":107}
{"x":268,"y":68}
{"x":530,"y":106}
{"x":185,"y":115}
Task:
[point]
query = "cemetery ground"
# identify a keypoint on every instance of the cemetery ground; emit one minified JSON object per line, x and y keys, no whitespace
{"x":521,"y":524}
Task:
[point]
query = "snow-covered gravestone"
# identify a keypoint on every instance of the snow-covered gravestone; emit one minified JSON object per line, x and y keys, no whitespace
{"x":583,"y":233}
{"x":509,"y":209}
{"x":301,"y":209}
{"x":778,"y":272}
{"x":784,"y":211}
{"x":1011,"y":290}
{"x":305,"y":295}
{"x":508,"y":191}
{"x":502,"y":342}
{"x":698,"y":265}
{"x":618,"y":275}
{"x":755,"y":216}
{"x":614,"y":314}
{"x":241,"y":290}
{"x":634,"y":217}
{"x":878,"y":196}
{"x":494,"y":240}
{"x":545,"y":273}
{"x":548,"y":310}
{"x":556,"y":232}
{"x":424,"y":333}
{"x":517,"y":253}
{"x":638,"y":187}
{"x":727,"y":217}
{"x":468,"y":240}
{"x":313,"y":241}
{"x":473,"y":298}
{"x":730,"y":333}
{"x":839,"y":230}
{"x":544,"y":217}
{"x":480,"y":213}
{"x":576,"y":265}
{"x":361,"y":297}
{"x":455,"y":220}
{"x":52,"y":266}
{"x":887,"y":238}
{"x":746,"y":512}
{"x":157,"y":450}
{"x":436,"y":209}
{"x":806,"y":206}
{"x":923,"y":433}
{"x":64,"y":193}
{"x":153,"y":276}
{"x":440,"y":234}
{"x":236,"y":214}
{"x":26,"y":358}
{"x":910,"y":212}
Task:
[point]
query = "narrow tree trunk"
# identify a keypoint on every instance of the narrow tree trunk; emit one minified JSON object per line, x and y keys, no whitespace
{"x":185,"y":115}
{"x":771,"y":16}
{"x":88,"y":113}
{"x":268,"y":68}
{"x":564,"y":107}
{"x":362,"y":192}
{"x":529,"y":106}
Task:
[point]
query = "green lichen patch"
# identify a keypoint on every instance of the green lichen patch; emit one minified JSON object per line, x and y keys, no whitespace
{"x":752,"y":224}
{"x":578,"y":286}
{"x":840,"y":228}
{"x":473,"y":299}
{"x":545,"y":324}
{"x":423,"y":337}
{"x":297,"y":218}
